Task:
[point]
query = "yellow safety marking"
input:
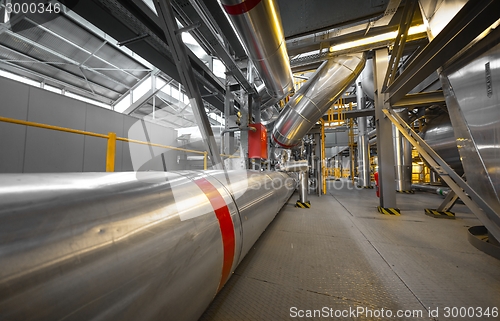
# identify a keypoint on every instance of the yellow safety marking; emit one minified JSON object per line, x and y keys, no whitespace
{"x":438,"y":214}
{"x":303,"y":205}
{"x":389,"y":211}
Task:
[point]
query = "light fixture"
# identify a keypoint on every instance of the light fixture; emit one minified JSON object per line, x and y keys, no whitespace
{"x":374,"y":39}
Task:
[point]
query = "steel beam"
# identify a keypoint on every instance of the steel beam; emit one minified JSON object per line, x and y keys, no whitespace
{"x":487,"y":215}
{"x":399,"y":42}
{"x":216,"y":45}
{"x":121,"y":25}
{"x":181,"y":59}
{"x":448,"y":202}
{"x":474,"y":18}
{"x":420,"y":99}
{"x":385,"y":148}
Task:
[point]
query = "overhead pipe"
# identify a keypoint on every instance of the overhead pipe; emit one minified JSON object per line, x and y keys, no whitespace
{"x":258,"y":25}
{"x":128,"y":246}
{"x":314,"y":98}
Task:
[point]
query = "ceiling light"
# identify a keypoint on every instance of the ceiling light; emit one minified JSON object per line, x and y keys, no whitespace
{"x":374,"y":39}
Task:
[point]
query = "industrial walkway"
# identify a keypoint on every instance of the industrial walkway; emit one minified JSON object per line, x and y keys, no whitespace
{"x":343,"y":258}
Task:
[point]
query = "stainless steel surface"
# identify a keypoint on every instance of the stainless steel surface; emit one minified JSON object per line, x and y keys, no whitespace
{"x":261,"y":32}
{"x":363,"y":147}
{"x":439,"y":134}
{"x":124,"y":246}
{"x":402,"y":156}
{"x":366,"y":77}
{"x":467,"y":26}
{"x":472,"y":96}
{"x":266,"y":100}
{"x":474,"y":201}
{"x":314,"y":98}
{"x":295,"y":166}
{"x":269,"y":115}
{"x":303,"y":187}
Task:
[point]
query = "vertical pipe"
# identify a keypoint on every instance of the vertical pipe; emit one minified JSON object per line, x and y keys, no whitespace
{"x":110,"y":152}
{"x":402,"y":156}
{"x":363,"y":146}
{"x":304,"y":186}
{"x":205,"y":156}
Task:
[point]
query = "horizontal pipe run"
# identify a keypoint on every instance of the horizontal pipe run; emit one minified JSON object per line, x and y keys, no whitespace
{"x":128,"y":246}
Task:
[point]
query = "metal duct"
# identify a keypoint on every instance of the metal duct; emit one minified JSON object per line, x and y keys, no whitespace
{"x":266,"y":100}
{"x":128,"y":246}
{"x":402,"y":156}
{"x":314,"y":98}
{"x":472,"y":95}
{"x":439,"y":134}
{"x":363,"y":147}
{"x":258,"y":24}
{"x":367,"y":80}
{"x":295,"y":166}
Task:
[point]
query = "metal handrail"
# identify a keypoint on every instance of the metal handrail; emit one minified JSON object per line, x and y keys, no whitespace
{"x":111,"y":137}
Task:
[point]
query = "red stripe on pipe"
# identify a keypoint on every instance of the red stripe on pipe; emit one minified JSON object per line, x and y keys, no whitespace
{"x":283,"y":145}
{"x":241,"y":8}
{"x":225,"y":224}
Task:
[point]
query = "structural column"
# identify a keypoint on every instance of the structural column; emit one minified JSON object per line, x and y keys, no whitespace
{"x":385,"y":149}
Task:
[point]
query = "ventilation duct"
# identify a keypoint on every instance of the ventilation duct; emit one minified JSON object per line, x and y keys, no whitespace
{"x":258,"y":25}
{"x":314,"y":98}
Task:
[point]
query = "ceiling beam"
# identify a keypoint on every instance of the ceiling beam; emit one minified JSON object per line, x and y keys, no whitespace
{"x":473,"y":19}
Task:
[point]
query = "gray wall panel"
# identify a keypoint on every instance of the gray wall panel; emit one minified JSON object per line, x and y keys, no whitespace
{"x":42,"y":150}
{"x":49,"y":150}
{"x":147,"y":157}
{"x":102,"y":121}
{"x":13,"y":104}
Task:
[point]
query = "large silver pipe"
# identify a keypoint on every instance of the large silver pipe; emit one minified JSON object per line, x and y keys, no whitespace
{"x":304,"y":187}
{"x":363,"y":147}
{"x":127,"y":246}
{"x":439,"y":134}
{"x":295,"y":166}
{"x":258,"y":24}
{"x":314,"y":98}
{"x":266,"y":99}
{"x":402,"y":156}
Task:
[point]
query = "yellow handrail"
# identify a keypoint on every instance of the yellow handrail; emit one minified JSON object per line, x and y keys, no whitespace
{"x":111,"y":137}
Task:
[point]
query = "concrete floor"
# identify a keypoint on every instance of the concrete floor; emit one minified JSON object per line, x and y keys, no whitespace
{"x":342,"y":257}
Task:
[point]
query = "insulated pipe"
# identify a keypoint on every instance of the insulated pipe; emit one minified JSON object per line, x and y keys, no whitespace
{"x":128,"y":246}
{"x":295,"y":166}
{"x":314,"y":98}
{"x":363,"y":147}
{"x":258,"y":25}
{"x":402,"y":156}
{"x":304,"y":187}
{"x":266,"y":100}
